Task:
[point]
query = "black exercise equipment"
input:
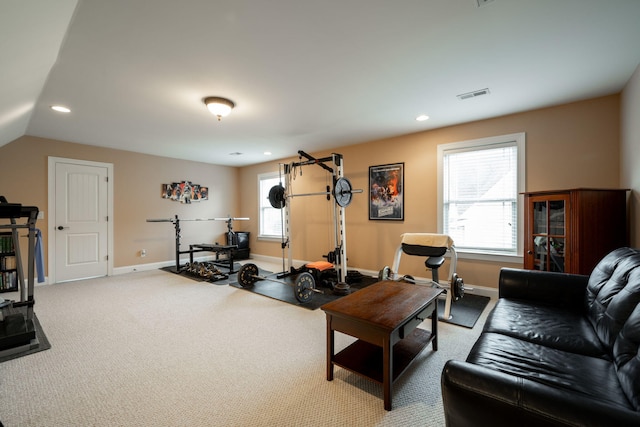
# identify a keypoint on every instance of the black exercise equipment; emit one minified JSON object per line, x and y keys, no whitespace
{"x":277,"y":196}
{"x":304,"y":284}
{"x":203,"y":247}
{"x":237,"y":238}
{"x":332,"y":257}
{"x":457,"y":284}
{"x":206,"y":270}
{"x":434,"y":247}
{"x":342,"y":193}
{"x":17,"y":329}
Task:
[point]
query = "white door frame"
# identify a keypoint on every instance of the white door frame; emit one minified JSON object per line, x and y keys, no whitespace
{"x":51,"y":224}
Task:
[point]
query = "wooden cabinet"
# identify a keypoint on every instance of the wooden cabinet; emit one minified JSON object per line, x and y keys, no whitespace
{"x":571,"y":230}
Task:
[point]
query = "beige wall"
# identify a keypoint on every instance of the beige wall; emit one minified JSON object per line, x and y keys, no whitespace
{"x":137,"y":189}
{"x":630,"y":152}
{"x":573,"y":145}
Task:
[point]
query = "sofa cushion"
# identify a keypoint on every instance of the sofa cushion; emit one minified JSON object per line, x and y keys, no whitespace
{"x":627,"y":358}
{"x":612,"y":293}
{"x":589,"y":376}
{"x":544,"y":324}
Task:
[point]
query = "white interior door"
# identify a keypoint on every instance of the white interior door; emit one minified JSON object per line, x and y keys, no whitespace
{"x":80,"y":221}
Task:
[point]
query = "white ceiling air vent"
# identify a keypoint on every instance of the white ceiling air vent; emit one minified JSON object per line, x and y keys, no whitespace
{"x":483,"y":2}
{"x":473,"y":94}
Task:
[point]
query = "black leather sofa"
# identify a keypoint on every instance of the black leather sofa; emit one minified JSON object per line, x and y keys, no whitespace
{"x":556,"y":350}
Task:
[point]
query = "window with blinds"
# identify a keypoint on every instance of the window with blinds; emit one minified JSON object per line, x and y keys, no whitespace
{"x":479,"y":185}
{"x":270,"y":217}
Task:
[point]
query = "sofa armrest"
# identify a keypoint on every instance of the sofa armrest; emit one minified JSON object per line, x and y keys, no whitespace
{"x":474,"y":395}
{"x":543,"y":286}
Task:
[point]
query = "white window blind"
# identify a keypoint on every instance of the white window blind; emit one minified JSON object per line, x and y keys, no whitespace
{"x":480,"y":182}
{"x":270,"y":217}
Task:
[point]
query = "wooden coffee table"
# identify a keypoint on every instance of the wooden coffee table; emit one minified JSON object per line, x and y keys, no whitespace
{"x":384,"y":317}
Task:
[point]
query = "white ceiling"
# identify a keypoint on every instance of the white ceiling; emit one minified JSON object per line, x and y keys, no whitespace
{"x":305,"y":75}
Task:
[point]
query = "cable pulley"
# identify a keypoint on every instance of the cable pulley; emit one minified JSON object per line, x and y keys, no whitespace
{"x":342,"y":194}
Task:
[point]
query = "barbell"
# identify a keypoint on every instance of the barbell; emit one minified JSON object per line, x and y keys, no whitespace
{"x":304,"y":285}
{"x":342,"y":193}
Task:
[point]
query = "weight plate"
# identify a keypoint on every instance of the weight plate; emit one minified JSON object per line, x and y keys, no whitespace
{"x":276,"y":196}
{"x":303,"y":287}
{"x":458,"y":287}
{"x":407,"y":278}
{"x":385,"y":273}
{"x":342,"y":192}
{"x":247,"y":275}
{"x":341,"y":288}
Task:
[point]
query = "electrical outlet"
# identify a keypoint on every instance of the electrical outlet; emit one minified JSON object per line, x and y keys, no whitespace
{"x":40,"y":215}
{"x":143,"y":253}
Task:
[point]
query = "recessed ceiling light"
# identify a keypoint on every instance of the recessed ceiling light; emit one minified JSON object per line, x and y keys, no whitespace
{"x":267,"y":153}
{"x":422,"y":118}
{"x":60,"y":109}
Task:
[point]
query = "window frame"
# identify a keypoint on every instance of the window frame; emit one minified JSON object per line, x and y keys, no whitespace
{"x":517,"y":139}
{"x":262,"y":177}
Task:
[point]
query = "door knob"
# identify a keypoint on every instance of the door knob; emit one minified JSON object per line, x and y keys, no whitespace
{"x":61,"y":227}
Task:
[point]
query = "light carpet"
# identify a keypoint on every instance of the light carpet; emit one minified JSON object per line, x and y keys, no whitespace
{"x":157,"y":349}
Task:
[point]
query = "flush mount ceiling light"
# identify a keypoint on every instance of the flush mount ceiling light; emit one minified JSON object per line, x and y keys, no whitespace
{"x":219,"y":107}
{"x":60,"y":109}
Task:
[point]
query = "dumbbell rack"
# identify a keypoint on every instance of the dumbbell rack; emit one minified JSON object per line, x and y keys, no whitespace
{"x":17,"y":330}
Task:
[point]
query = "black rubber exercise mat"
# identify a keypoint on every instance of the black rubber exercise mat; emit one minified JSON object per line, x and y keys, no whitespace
{"x":466,"y":311}
{"x":285,"y":293}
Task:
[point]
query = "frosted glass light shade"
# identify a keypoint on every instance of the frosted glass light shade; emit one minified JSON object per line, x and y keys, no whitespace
{"x":219,"y":107}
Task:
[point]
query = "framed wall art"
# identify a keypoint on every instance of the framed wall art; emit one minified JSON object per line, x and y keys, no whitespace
{"x":386,"y":192}
{"x":185,"y":192}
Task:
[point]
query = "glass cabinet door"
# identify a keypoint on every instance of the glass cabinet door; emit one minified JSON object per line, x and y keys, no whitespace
{"x":548,"y":234}
{"x":540,"y":217}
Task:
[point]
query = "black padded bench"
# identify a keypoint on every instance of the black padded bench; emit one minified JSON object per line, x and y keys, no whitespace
{"x":218,"y":249}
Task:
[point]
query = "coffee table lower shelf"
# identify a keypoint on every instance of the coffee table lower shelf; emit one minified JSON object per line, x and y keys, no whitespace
{"x":365,"y":359}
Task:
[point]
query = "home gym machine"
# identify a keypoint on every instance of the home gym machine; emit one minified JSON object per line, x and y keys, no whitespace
{"x":207,"y":270}
{"x":434,"y":247}
{"x":280,"y":198}
{"x":17,"y":329}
